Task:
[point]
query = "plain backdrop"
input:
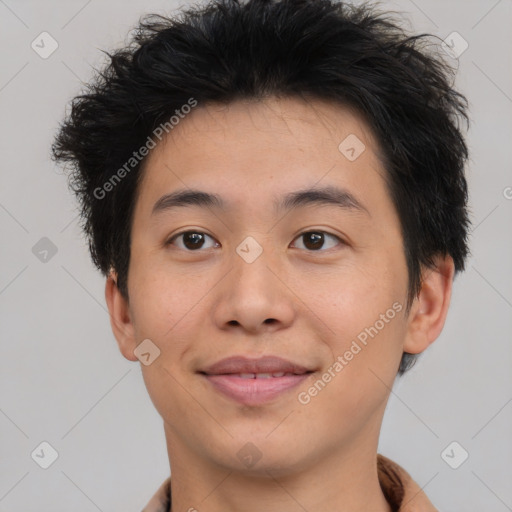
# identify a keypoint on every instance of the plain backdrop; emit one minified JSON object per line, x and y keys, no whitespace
{"x":63,"y":379}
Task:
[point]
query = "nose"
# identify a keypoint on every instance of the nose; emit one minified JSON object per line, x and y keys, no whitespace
{"x":254,"y":297}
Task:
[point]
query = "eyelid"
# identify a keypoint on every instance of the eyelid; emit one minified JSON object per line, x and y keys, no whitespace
{"x":171,"y":239}
{"x":323,"y":231}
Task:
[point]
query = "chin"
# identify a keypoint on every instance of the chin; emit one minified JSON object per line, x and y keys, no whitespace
{"x":260,"y":455}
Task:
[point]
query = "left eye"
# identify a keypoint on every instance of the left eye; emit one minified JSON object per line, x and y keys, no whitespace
{"x":315,"y":239}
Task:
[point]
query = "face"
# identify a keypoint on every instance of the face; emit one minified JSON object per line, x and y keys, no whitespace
{"x":319,"y":281}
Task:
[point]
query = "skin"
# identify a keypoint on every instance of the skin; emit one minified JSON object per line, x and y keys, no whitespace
{"x":202,"y":305}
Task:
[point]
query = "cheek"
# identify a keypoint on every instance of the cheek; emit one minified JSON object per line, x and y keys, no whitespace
{"x":164,"y":314}
{"x":158,"y":299}
{"x":364,"y":311}
{"x":363,"y":372}
{"x":167,"y":310}
{"x":355,"y":298}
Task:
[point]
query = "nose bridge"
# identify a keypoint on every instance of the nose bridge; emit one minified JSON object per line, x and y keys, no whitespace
{"x":251,"y":265}
{"x":252,"y":296}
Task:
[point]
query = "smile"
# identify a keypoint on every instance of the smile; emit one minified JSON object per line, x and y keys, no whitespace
{"x":255,"y":388}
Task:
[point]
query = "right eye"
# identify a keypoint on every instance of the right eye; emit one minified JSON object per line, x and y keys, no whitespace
{"x":191,"y":240}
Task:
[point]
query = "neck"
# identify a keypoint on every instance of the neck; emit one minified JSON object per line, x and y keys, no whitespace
{"x":345,"y":480}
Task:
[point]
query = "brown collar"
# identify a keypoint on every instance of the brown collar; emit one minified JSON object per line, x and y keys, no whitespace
{"x":401,"y":491}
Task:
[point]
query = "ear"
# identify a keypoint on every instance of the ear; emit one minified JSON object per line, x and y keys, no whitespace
{"x":430,"y":307}
{"x":120,"y":318}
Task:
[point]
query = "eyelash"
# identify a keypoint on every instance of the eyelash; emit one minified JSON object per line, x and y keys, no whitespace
{"x":174,"y":237}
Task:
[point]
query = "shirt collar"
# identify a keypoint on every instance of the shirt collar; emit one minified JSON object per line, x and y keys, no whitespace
{"x":400,"y":490}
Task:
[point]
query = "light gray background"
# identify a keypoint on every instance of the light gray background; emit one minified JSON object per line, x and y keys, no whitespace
{"x":63,"y":379}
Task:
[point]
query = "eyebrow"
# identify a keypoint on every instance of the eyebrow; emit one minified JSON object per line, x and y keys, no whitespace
{"x":324,"y":196}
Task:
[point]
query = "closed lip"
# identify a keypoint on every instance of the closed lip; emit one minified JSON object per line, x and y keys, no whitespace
{"x":245,"y":365}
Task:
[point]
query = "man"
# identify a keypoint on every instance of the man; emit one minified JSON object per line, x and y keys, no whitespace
{"x":275,"y":194}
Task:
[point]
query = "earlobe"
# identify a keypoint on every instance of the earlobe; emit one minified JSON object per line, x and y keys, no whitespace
{"x":430,"y":307}
{"x":120,"y":318}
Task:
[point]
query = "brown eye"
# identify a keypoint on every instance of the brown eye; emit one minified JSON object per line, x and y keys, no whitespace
{"x":315,"y":240}
{"x":191,"y":240}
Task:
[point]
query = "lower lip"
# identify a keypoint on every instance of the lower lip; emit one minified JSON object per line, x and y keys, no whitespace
{"x":254,"y":391}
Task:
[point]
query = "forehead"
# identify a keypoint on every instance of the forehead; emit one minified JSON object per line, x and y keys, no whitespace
{"x":262,"y":145}
{"x":295,"y":122}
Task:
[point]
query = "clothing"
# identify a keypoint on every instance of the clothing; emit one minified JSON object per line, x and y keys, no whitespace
{"x":400,"y":490}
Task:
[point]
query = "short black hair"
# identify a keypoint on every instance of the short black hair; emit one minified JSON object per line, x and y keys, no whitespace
{"x":228,"y":50}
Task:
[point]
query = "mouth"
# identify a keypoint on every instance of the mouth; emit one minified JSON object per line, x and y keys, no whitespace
{"x":255,"y":389}
{"x":255,"y":381}
{"x":260,"y":375}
